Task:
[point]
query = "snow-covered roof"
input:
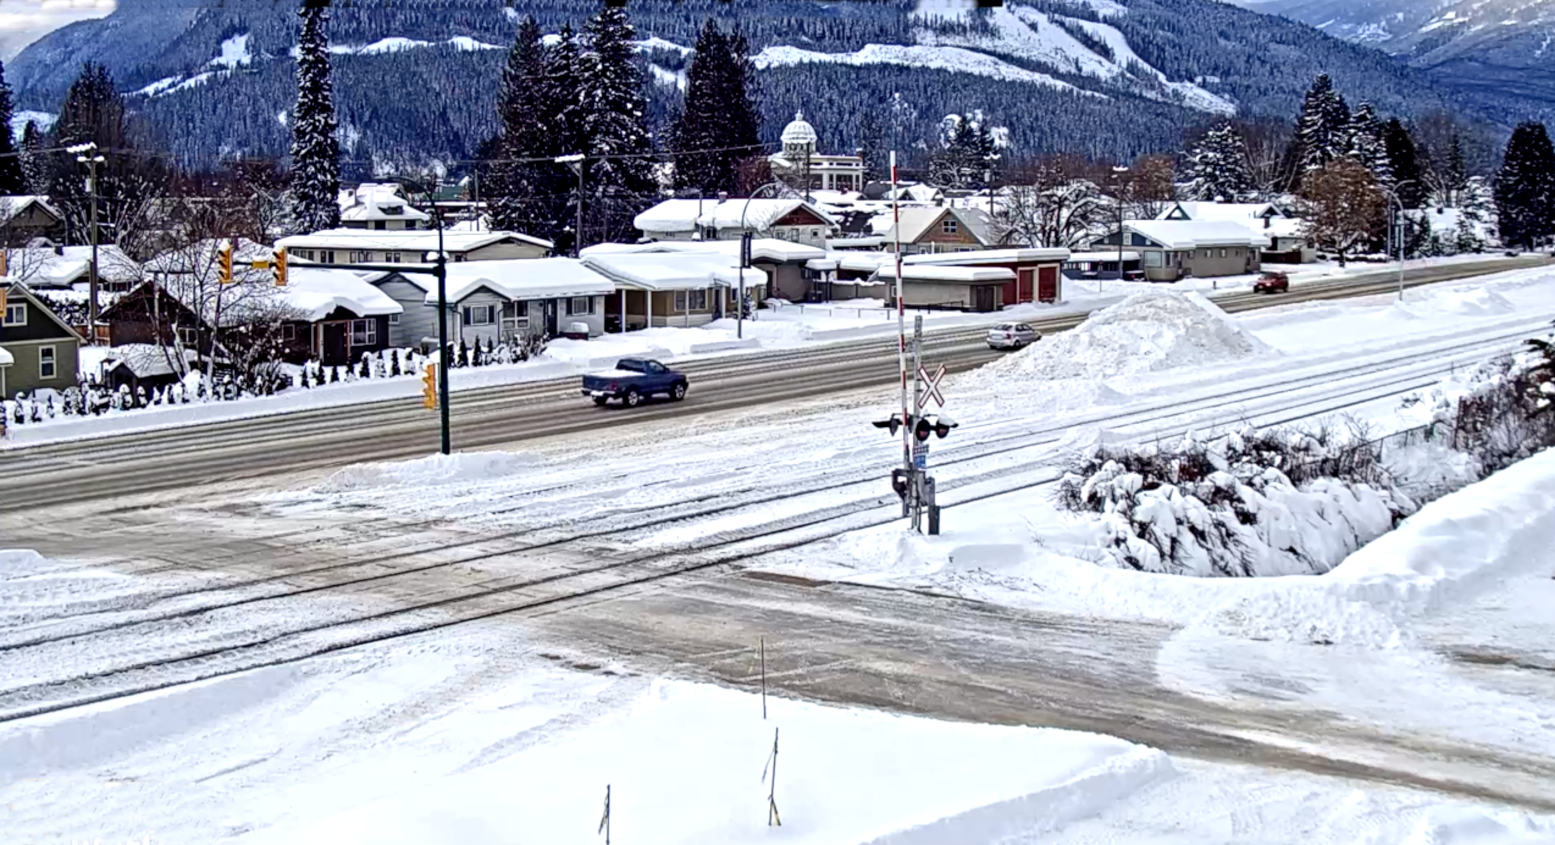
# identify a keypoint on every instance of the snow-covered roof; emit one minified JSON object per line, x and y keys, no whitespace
{"x":377,"y":201}
{"x":1193,"y":234}
{"x":671,"y":271}
{"x":1102,"y":255}
{"x":407,"y":240}
{"x":11,"y":206}
{"x":798,"y":131}
{"x":517,"y":278}
{"x":42,"y":267}
{"x":146,"y":359}
{"x":682,"y":215}
{"x":673,"y":216}
{"x":937,"y":273}
{"x":1030,"y":255}
{"x":200,"y":257}
{"x":1231,"y":211}
{"x":314,"y":292}
{"x":917,"y":220}
{"x":862,"y":262}
{"x":861,"y":242}
{"x":1283,"y":227}
{"x":5,"y":358}
{"x":762,"y":249}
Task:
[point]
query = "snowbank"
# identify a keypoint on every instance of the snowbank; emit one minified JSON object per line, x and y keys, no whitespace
{"x":431,"y":470}
{"x":1148,"y":331}
{"x":685,"y":765}
{"x":1447,"y":550}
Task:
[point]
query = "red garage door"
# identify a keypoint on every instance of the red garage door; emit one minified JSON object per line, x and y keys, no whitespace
{"x":1047,"y":285}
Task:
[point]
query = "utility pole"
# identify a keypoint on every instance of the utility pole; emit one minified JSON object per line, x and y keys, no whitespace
{"x":576,"y":162}
{"x":441,"y":271}
{"x":1117,"y":188}
{"x":87,"y":155}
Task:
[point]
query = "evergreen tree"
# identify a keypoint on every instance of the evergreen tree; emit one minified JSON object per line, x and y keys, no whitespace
{"x":1525,"y":187}
{"x":718,"y":124}
{"x":561,"y":95}
{"x":1218,"y":166}
{"x":1321,"y":130}
{"x":967,"y":153}
{"x":871,"y":145}
{"x":516,"y":188}
{"x":315,"y":149}
{"x":35,"y":165}
{"x":1404,"y":162}
{"x":12,"y":180}
{"x":1455,"y":175}
{"x":620,"y":179}
{"x":1367,"y":144}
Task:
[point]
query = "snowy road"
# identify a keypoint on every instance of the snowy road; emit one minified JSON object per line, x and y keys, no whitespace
{"x":233,"y":451}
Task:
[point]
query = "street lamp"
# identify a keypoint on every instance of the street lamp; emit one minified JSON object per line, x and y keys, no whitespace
{"x":1392,"y":194}
{"x":87,"y":154}
{"x":440,"y":272}
{"x":745,"y":254}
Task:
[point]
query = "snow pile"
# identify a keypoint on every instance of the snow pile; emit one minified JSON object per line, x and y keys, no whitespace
{"x":1475,"y":302}
{"x":431,"y":470}
{"x":1147,"y":332}
{"x":685,"y":765}
{"x":1446,"y":550}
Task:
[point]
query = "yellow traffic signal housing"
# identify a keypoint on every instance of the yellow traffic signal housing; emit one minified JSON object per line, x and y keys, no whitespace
{"x":429,"y":386}
{"x":224,"y":262}
{"x":278,"y":267}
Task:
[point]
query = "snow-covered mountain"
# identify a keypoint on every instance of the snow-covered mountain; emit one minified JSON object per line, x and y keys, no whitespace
{"x":416,"y":79}
{"x":1501,"y":46}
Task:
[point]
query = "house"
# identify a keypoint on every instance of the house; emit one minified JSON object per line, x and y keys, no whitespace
{"x":40,"y":349}
{"x":379,"y":207}
{"x":939,"y":229}
{"x":358,"y":246}
{"x":498,"y":301}
{"x":791,"y":219}
{"x":1037,"y":271}
{"x":145,"y":366}
{"x":674,"y":289}
{"x":333,"y":316}
{"x":935,"y":286}
{"x":1286,"y":234}
{"x":1103,"y":265}
{"x":29,"y":216}
{"x":799,"y":164}
{"x":149,"y":314}
{"x":47,"y":266}
{"x":1175,"y":249}
{"x":783,"y":262}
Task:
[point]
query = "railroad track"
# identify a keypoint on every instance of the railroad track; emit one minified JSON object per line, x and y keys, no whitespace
{"x":230,"y":652}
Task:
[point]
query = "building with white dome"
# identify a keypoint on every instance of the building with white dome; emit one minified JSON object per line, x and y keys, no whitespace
{"x":799,"y":164}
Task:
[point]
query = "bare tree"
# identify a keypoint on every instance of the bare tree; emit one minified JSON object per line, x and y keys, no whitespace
{"x":1147,"y":188}
{"x":1267,"y":141}
{"x":1050,"y":202}
{"x":1345,"y":208}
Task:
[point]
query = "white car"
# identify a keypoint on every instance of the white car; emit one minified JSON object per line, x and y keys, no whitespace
{"x":1012,"y":336}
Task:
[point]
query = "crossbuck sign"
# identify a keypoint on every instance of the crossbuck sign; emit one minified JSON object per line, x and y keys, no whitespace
{"x":931,"y":387}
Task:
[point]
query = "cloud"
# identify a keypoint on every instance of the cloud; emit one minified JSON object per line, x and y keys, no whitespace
{"x":25,"y":21}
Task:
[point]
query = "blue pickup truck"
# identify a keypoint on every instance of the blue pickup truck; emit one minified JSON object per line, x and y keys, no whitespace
{"x":632,"y":381}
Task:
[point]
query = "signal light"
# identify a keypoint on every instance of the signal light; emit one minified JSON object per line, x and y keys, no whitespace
{"x":921,"y":429}
{"x":429,"y":386}
{"x":943,"y":425}
{"x":224,"y":261}
{"x":899,"y":482}
{"x":278,"y":267}
{"x":894,"y":424}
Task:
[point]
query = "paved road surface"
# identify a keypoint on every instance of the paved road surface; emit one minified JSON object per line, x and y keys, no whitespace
{"x":221,"y":452}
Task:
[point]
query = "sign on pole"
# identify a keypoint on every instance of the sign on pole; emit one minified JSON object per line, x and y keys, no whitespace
{"x":931,"y":386}
{"x":920,"y":455}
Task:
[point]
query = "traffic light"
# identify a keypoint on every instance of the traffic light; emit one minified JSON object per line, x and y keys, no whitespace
{"x":429,"y":386}
{"x":278,"y":267}
{"x":943,"y":425}
{"x":894,"y":424}
{"x":922,"y":429}
{"x":899,"y":482}
{"x":224,"y":262}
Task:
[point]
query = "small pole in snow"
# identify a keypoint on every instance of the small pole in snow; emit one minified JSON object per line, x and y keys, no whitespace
{"x":773,"y":819}
{"x":604,"y":820}
{"x":761,"y":647}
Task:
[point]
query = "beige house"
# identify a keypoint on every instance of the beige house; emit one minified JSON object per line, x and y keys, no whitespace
{"x":791,"y":219}
{"x":935,"y":229}
{"x":1174,"y":249}
{"x":379,"y":207}
{"x":359,"y":246}
{"x":25,"y":217}
{"x":674,"y":289}
{"x":951,"y":288}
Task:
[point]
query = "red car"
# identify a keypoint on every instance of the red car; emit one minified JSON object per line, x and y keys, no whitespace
{"x":1272,"y":282}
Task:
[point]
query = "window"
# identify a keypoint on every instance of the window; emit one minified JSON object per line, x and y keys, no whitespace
{"x":357,"y":257}
{"x":188,"y":336}
{"x":515,"y":310}
{"x":949,"y":226}
{"x":1222,"y":253}
{"x":288,"y":332}
{"x":16,"y":314}
{"x":697,"y":300}
{"x":459,"y":256}
{"x":380,"y":224}
{"x":395,"y":258}
{"x":1152,"y":259}
{"x":394,"y":319}
{"x":480,"y":315}
{"x":46,"y":366}
{"x":327,"y":256}
{"x":364,"y":332}
{"x":580,"y":305}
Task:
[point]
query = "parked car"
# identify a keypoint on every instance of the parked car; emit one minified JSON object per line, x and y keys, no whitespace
{"x":576,"y":331}
{"x":1012,"y":336}
{"x":633,"y":380}
{"x":1272,"y":282}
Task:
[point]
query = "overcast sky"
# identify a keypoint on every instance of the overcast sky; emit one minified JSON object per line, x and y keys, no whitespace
{"x":25,"y":21}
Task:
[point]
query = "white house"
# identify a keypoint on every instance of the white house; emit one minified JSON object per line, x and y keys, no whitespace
{"x":784,"y":262}
{"x":799,"y":162}
{"x":674,"y":289}
{"x":358,"y":246}
{"x":380,"y":207}
{"x":1286,"y":234}
{"x":790,"y":219}
{"x":1173,"y":249}
{"x":499,"y":301}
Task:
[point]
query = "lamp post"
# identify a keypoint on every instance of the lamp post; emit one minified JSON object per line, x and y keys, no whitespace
{"x":440,"y":272}
{"x":1394,"y":201}
{"x":745,"y":256}
{"x":87,"y":154}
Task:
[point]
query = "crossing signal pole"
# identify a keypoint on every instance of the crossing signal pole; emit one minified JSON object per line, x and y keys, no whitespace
{"x":912,"y":483}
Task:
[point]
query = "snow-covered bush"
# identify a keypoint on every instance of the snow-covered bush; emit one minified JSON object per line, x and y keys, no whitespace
{"x":1273,"y":502}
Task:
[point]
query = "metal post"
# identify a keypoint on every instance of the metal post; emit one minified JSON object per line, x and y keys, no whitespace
{"x":441,"y":271}
{"x":917,"y":406}
{"x":623,"y":310}
{"x":761,"y":645}
{"x":901,"y":334}
{"x":1401,"y":251}
{"x":91,"y":187}
{"x":577,"y":241}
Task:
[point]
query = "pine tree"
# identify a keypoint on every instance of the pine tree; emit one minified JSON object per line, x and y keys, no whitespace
{"x":12,"y":180}
{"x":620,"y":180}
{"x":967,"y":153}
{"x":35,"y":165}
{"x":1218,"y":166}
{"x":872,"y":149}
{"x":1404,"y":162}
{"x":1455,"y":177}
{"x":518,"y":190}
{"x":561,"y":93}
{"x":1525,"y":187}
{"x":1320,"y":131}
{"x":315,"y":149}
{"x":703,"y":133}
{"x":1367,"y":144}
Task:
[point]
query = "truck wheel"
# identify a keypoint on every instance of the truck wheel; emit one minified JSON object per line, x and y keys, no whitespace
{"x":633,"y":398}
{"x":678,"y":392}
{"x":601,"y":400}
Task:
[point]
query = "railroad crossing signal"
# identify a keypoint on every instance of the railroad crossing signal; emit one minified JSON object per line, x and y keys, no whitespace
{"x":921,"y":426}
{"x":224,"y":262}
{"x":931,"y":386}
{"x":429,"y":386}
